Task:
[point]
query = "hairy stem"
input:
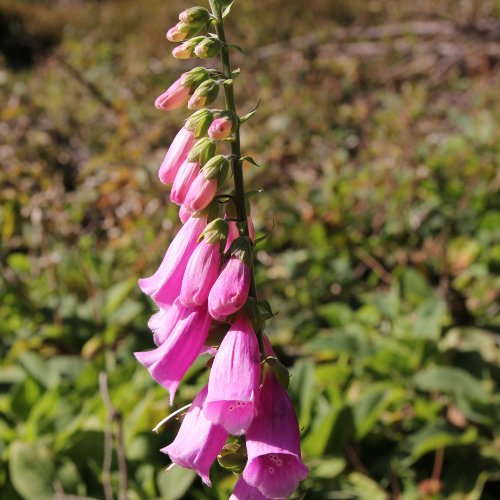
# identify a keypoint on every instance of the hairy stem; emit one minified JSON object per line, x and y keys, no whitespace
{"x":236,"y":164}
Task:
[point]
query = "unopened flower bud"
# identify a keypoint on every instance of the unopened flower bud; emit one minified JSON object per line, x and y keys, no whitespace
{"x":215,"y":232}
{"x":181,"y":31}
{"x":223,"y":126}
{"x":208,"y":47}
{"x":195,"y":15}
{"x":202,"y":151}
{"x":204,"y":95}
{"x":199,"y":122}
{"x":186,"y":50}
{"x":216,"y":168}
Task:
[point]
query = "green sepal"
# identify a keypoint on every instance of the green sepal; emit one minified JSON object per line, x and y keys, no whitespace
{"x":279,"y":369}
{"x":215,"y":232}
{"x":216,"y":167}
{"x":195,"y":16}
{"x":202,"y":151}
{"x":241,"y":248}
{"x":199,"y":122}
{"x":233,"y":457}
{"x":208,"y":47}
{"x":195,"y":77}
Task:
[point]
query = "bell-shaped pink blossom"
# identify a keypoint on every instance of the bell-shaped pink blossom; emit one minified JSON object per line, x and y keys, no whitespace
{"x":164,"y":285}
{"x":230,"y":290}
{"x":201,"y":273}
{"x":234,"y":379}
{"x":200,"y":193}
{"x":184,"y":214}
{"x":171,"y":360}
{"x":243,"y":491}
{"x":274,"y":464}
{"x":185,"y":176}
{"x":174,"y":97}
{"x":198,"y":441}
{"x":176,"y":155}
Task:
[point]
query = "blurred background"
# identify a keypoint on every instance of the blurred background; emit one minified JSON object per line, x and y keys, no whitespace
{"x":379,"y":139}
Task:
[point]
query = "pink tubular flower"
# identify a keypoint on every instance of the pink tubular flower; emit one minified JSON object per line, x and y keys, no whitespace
{"x":198,"y":441}
{"x":164,"y":285}
{"x":176,"y":155}
{"x":243,"y":491}
{"x":185,"y":176}
{"x":184,"y":214}
{"x":274,"y":464}
{"x":220,"y":128}
{"x":174,"y":97}
{"x":201,"y":273}
{"x":234,"y":379}
{"x":201,"y":193}
{"x":230,"y":290}
{"x":168,"y":363}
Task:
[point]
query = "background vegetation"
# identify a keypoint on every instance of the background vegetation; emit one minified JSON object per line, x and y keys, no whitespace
{"x":379,"y":139}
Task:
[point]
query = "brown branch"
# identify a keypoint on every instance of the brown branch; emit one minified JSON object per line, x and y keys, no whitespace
{"x":108,"y":437}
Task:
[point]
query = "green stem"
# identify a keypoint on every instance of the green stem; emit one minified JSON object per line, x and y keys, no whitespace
{"x":236,"y":164}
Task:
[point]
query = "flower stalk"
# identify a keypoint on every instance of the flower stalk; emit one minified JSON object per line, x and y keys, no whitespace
{"x":240,"y":199}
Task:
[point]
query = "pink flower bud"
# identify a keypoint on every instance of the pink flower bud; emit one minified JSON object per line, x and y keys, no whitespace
{"x":184,"y":214}
{"x":198,"y":441}
{"x":174,"y":97}
{"x":168,"y":363}
{"x":164,"y":285}
{"x":220,"y":128}
{"x":232,"y":235}
{"x":174,"y":35}
{"x":176,"y":155}
{"x":201,"y":273}
{"x":234,"y":379}
{"x":185,"y":176}
{"x":274,"y":464}
{"x":183,"y":51}
{"x":197,"y":101}
{"x":201,"y":193}
{"x":230,"y":290}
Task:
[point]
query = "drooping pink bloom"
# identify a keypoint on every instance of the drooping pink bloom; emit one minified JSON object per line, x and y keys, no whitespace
{"x":168,"y":363}
{"x":185,"y":176}
{"x":164,"y":285}
{"x":162,"y":323}
{"x":274,"y":464}
{"x":176,"y":155}
{"x":243,"y":491}
{"x":230,"y":290}
{"x":184,"y":214}
{"x":175,"y":96}
{"x":234,"y":379}
{"x":201,"y":193}
{"x":201,"y":273}
{"x":220,"y":128}
{"x":198,"y":441}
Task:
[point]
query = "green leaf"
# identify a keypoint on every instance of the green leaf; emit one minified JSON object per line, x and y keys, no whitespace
{"x":117,"y":294}
{"x":39,"y":369}
{"x":435,"y":436}
{"x":366,"y":488}
{"x":249,"y":159}
{"x":369,"y":406}
{"x":451,"y":380}
{"x":302,"y":389}
{"x":249,"y":115}
{"x":329,"y":468}
{"x":32,"y":470}
{"x":174,"y":483}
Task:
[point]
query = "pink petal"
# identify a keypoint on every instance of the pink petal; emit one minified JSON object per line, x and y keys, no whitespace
{"x":198,"y":441}
{"x":243,"y":491}
{"x":176,"y":155}
{"x":185,"y":176}
{"x":234,"y":379}
{"x":201,"y":193}
{"x":174,"y":97}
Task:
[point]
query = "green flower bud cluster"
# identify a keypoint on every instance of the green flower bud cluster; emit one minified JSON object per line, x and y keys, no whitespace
{"x":191,"y":22}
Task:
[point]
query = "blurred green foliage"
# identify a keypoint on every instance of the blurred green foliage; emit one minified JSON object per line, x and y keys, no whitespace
{"x":381,"y":199}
